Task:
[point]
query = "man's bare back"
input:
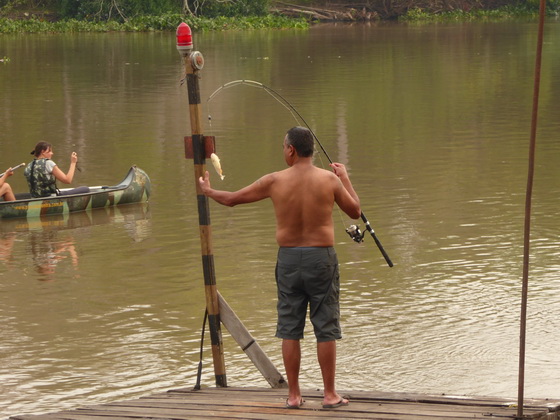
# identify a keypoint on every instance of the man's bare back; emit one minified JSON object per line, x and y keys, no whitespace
{"x":303,"y":197}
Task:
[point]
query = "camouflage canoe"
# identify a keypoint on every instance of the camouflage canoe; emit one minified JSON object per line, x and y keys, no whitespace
{"x":134,"y":188}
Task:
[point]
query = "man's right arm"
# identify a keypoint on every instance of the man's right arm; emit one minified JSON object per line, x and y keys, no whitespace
{"x":258,"y":190}
{"x":345,"y":196}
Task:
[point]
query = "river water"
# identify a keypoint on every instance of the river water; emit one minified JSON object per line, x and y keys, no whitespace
{"x":433,"y":123}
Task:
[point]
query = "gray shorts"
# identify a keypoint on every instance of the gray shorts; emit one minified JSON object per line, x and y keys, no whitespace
{"x":308,"y":275}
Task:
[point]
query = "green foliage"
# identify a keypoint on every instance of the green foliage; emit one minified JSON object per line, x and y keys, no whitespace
{"x":552,"y":6}
{"x":115,"y":9}
{"x":157,"y":14}
{"x":124,"y":10}
{"x":166,"y":22}
{"x":230,"y":8}
{"x":170,"y":22}
{"x":506,"y":12}
{"x":9,"y":5}
{"x":34,"y":25}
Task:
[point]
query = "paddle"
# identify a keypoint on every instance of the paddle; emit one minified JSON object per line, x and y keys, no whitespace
{"x":13,"y":169}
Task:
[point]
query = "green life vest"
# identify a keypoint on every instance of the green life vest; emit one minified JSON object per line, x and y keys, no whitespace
{"x":41,"y":183}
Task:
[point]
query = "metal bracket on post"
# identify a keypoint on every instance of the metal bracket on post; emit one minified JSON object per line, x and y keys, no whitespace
{"x":209,"y":146}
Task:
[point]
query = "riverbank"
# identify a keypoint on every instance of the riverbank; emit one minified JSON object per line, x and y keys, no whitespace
{"x":282,"y":16}
{"x":419,"y":13}
{"x":168,"y":22}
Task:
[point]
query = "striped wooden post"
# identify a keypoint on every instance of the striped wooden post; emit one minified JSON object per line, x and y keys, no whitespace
{"x":199,"y":148}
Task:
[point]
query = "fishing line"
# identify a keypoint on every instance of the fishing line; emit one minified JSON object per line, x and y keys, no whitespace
{"x":282,"y":101}
{"x":285,"y":103}
{"x":354,"y":231}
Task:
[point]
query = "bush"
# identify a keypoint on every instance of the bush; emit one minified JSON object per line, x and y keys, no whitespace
{"x":115,"y":9}
{"x":231,"y":8}
{"x":123,"y":10}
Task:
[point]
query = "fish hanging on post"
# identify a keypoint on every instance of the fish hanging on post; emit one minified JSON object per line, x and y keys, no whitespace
{"x":216,"y":162}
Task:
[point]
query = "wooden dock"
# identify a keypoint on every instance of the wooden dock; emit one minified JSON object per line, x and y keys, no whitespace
{"x":258,"y":403}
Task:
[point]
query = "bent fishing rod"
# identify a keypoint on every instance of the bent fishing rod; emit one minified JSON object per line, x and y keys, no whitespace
{"x":354,"y":230}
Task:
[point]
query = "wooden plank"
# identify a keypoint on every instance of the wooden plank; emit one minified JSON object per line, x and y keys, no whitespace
{"x":249,"y":345}
{"x":259,"y":403}
{"x":357,"y":410}
{"x":543,"y":404}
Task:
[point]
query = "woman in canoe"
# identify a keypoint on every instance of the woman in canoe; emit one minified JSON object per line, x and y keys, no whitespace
{"x":5,"y":190}
{"x":42,"y":173}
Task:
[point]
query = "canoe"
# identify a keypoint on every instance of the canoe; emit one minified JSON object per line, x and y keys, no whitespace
{"x":134,"y":188}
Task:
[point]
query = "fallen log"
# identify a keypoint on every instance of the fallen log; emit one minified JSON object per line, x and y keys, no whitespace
{"x":324,"y":14}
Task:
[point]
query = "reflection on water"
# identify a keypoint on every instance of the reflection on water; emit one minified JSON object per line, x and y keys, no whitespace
{"x":50,"y":240}
{"x":47,"y":251}
{"x":7,"y":241}
{"x":51,"y":302}
{"x":432,"y":122}
{"x":134,"y":218}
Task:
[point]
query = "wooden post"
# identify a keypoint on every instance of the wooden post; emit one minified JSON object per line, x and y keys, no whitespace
{"x":528,"y":206}
{"x":194,"y":62}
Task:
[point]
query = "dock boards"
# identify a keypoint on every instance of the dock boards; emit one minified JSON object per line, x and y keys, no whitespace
{"x":260,"y":403}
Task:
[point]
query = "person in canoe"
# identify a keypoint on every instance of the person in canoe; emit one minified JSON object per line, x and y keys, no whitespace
{"x":42,"y":173}
{"x":5,"y":190}
{"x":307,"y":272}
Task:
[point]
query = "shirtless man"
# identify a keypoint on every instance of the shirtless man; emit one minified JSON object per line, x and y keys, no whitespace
{"x":307,"y":268}
{"x":5,"y":190}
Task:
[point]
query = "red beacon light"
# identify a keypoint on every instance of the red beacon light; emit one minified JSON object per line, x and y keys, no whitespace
{"x":184,"y":39}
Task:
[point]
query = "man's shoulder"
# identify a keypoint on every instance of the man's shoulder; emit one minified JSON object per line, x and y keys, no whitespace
{"x":274,"y":176}
{"x":270,"y":177}
{"x":325,"y":173}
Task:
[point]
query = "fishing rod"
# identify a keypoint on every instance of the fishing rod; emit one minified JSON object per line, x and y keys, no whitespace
{"x":354,"y":230}
{"x":13,"y":169}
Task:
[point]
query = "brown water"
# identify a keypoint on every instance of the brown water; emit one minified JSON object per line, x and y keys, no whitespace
{"x":433,"y":123}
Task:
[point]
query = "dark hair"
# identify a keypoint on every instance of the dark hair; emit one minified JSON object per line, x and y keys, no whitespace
{"x":39,"y":147}
{"x":302,"y":140}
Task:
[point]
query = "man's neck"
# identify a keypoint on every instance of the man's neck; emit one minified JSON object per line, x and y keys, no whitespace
{"x":302,"y":162}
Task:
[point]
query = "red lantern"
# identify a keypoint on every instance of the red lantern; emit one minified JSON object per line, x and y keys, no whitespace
{"x":184,"y":39}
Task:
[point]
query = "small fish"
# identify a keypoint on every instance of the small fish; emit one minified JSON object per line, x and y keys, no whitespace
{"x":216,"y":162}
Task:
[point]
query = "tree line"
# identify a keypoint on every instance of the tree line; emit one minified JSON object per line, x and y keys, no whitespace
{"x":122,"y":10}
{"x":103,"y":10}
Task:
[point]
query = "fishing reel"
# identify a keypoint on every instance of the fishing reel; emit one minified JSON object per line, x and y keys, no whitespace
{"x":355,"y":233}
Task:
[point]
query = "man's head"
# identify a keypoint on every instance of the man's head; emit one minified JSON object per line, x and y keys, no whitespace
{"x":301,"y":139}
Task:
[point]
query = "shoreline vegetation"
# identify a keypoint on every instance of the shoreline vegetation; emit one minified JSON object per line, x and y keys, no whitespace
{"x":27,"y":16}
